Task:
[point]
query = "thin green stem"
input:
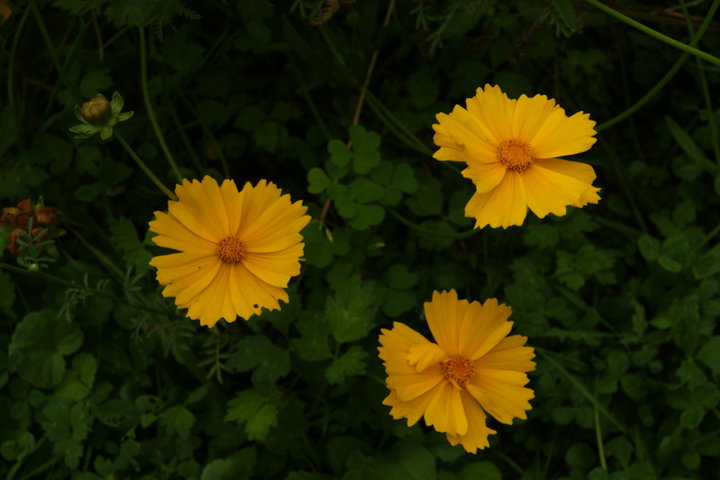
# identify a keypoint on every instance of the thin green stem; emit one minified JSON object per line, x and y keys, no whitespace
{"x":11,"y":61}
{"x":667,"y":77}
{"x":49,"y":44}
{"x":149,"y":107}
{"x":598,"y":438}
{"x":185,"y":140}
{"x":704,"y":88}
{"x":428,"y":231}
{"x":421,"y":147}
{"x":655,"y":34}
{"x":579,"y":386}
{"x":206,"y":130}
{"x":144,"y":167}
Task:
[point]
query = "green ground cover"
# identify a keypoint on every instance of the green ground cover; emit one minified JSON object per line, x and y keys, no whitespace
{"x":102,"y":378}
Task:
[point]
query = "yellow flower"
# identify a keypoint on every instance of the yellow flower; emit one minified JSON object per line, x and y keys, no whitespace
{"x":512,"y":149}
{"x":473,"y":368}
{"x":238,"y":250}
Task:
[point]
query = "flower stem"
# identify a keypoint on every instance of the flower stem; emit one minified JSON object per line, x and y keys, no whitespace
{"x":667,"y":77}
{"x":11,"y":61}
{"x":654,"y":33}
{"x":704,"y":89}
{"x":144,"y":167}
{"x":427,"y":231}
{"x":149,"y":107}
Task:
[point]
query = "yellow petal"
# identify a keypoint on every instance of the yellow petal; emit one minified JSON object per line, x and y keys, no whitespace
{"x":425,"y":355}
{"x":503,"y":206}
{"x":413,"y":409}
{"x":462,"y":131}
{"x":477,"y":434}
{"x":482,"y":327}
{"x":185,"y":288}
{"x":275,"y":268}
{"x":485,"y":176}
{"x":208,"y":306}
{"x":173,"y":234}
{"x":442,"y":317}
{"x":509,"y":354}
{"x":233,"y":204}
{"x":530,"y":114}
{"x":445,"y":411}
{"x":254,"y":201}
{"x":414,"y":384}
{"x":494,"y":110}
{"x":501,"y":393}
{"x":588,"y":196}
{"x":179,"y":265}
{"x":561,"y":135}
{"x":399,"y":339}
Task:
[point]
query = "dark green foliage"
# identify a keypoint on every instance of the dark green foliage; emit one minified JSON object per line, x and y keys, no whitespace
{"x":101,"y":377}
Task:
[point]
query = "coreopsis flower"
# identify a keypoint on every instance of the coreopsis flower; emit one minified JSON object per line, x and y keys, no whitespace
{"x":512,"y":148}
{"x":471,"y":370}
{"x":99,"y":115}
{"x":237,"y":250}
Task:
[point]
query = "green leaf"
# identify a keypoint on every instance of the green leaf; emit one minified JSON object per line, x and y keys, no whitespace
{"x":649,"y":247}
{"x":318,"y":180}
{"x":398,"y":276}
{"x":407,"y":461}
{"x":237,"y":467}
{"x":708,"y":265}
{"x":340,"y":154}
{"x":709,"y":354}
{"x":39,"y":346}
{"x":126,"y":241}
{"x":255,"y":408}
{"x":7,"y":287}
{"x":349,"y":364}
{"x":366,"y":216}
{"x":313,"y":345}
{"x":688,"y":144}
{"x":79,"y":379}
{"x":178,"y":419}
{"x":365,"y":190}
{"x":257,"y":353}
{"x":351,"y":311}
{"x":480,"y":470}
{"x":566,"y":13}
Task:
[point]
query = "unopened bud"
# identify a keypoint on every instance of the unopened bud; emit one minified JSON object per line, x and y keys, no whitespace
{"x":96,"y":111}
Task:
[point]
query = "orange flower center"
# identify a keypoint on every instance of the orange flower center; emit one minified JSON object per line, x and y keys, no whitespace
{"x":231,"y":250}
{"x":515,"y":155}
{"x":457,"y":370}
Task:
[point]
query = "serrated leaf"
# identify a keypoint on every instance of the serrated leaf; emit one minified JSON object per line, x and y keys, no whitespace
{"x":178,"y":419}
{"x":256,"y":409}
{"x":257,"y":353}
{"x":350,"y":312}
{"x":126,"y":241}
{"x":348,"y":364}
